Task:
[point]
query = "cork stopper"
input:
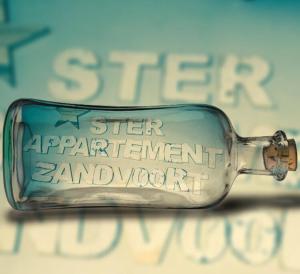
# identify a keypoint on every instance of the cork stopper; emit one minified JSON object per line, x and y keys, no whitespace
{"x":281,"y":155}
{"x":292,"y":155}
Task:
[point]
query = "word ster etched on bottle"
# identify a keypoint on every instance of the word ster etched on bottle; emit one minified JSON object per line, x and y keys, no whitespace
{"x":92,"y":159}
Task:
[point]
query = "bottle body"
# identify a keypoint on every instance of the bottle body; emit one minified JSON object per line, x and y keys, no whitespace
{"x":60,"y":155}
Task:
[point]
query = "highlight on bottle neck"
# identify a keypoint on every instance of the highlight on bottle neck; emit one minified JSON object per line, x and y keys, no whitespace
{"x":268,"y":155}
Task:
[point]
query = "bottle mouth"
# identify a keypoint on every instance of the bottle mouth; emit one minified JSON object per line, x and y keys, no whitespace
{"x":280,"y":156}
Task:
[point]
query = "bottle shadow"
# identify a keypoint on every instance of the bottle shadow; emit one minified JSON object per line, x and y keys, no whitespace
{"x":231,"y":205}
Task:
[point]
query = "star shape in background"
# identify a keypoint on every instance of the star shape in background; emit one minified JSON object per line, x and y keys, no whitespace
{"x":11,"y":38}
{"x":68,"y":115}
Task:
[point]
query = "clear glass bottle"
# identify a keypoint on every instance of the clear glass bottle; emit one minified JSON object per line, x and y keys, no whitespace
{"x":181,"y":156}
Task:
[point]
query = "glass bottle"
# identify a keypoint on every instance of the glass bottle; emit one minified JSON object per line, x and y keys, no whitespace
{"x":180,"y":156}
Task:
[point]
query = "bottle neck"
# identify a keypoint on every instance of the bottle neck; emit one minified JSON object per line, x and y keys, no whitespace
{"x":267,"y":155}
